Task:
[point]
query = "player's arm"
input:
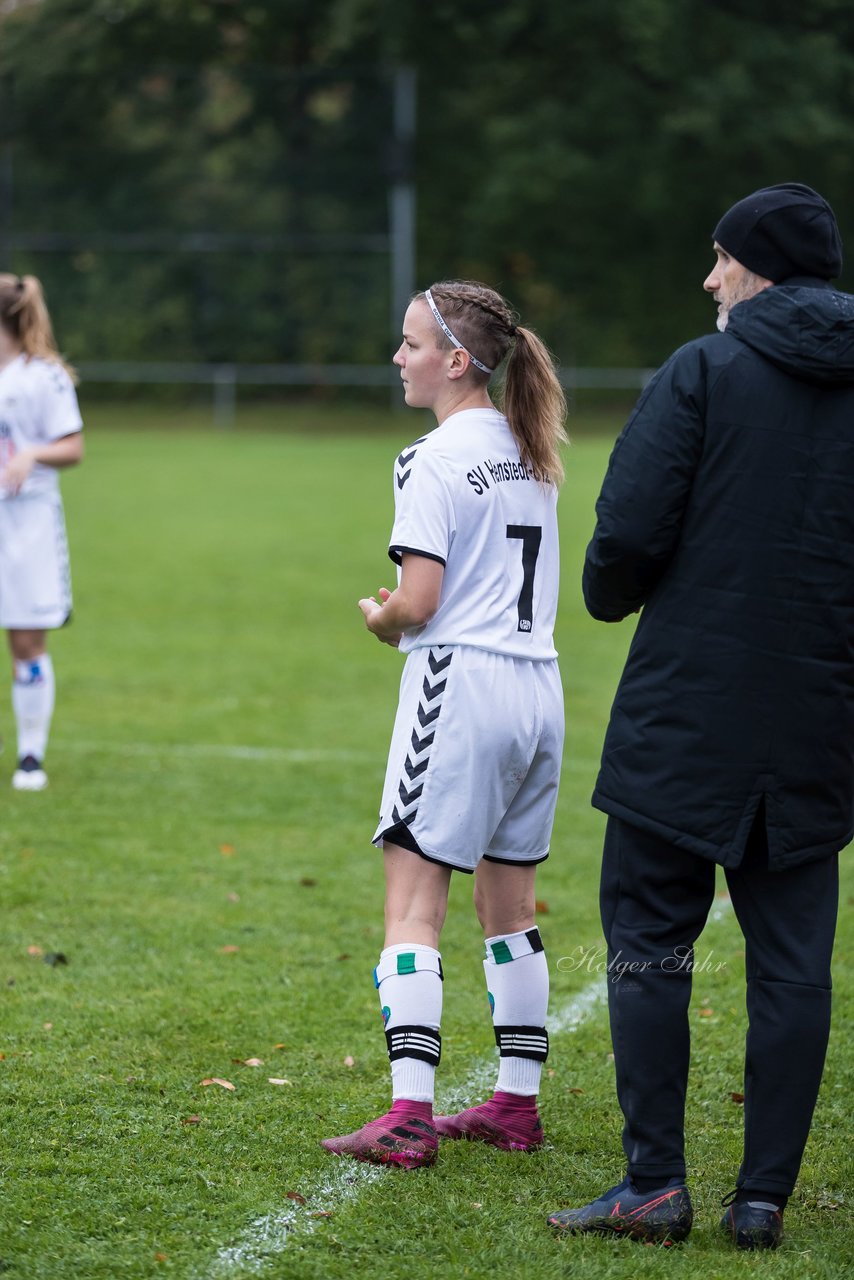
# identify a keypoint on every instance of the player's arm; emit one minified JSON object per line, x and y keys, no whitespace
{"x":64,"y":452}
{"x":411,"y":605}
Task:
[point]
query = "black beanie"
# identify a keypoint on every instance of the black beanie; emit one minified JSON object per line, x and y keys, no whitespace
{"x":782,"y":231}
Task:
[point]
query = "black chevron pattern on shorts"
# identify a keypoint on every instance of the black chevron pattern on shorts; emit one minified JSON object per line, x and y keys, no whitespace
{"x":403,"y":468}
{"x":418,"y":757}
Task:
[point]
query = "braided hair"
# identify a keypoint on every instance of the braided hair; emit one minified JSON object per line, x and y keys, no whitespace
{"x":24,"y":315}
{"x":532,"y":401}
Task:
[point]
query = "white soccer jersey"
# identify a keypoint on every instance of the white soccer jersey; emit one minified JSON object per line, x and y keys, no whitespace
{"x":38,"y":404}
{"x":464,"y":498}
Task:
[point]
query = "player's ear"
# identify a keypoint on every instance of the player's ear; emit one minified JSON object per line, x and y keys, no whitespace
{"x":459,"y":363}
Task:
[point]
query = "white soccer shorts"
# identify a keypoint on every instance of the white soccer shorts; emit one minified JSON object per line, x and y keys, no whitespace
{"x":35,"y":578}
{"x":475,"y":756}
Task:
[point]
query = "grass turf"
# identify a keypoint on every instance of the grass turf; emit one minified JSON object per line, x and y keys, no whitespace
{"x":201,"y":861}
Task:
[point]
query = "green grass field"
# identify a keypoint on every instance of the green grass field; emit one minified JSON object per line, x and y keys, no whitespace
{"x":202,"y":861}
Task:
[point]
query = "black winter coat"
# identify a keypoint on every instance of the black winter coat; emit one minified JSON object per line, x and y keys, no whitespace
{"x":727,"y":515}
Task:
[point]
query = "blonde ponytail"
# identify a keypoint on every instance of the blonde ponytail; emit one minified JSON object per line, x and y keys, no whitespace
{"x":535,"y":406}
{"x":24,"y":315}
{"x":533,"y":401}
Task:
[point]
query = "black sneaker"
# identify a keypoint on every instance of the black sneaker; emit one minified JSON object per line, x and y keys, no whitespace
{"x":754,"y":1224}
{"x":664,"y":1216}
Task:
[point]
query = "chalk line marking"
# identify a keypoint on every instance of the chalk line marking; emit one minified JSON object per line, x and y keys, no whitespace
{"x":216,"y":750}
{"x":269,"y":1235}
{"x":273,"y":1232}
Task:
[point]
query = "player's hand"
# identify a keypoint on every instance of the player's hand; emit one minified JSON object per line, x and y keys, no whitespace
{"x":372,"y":613}
{"x":16,"y":471}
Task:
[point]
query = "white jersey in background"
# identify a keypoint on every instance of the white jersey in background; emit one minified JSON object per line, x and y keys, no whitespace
{"x":463,"y":497}
{"x":38,"y":404}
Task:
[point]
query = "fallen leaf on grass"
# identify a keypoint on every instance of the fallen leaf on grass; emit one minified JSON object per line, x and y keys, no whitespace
{"x":345,"y":955}
{"x":307,"y":882}
{"x":227,"y":850}
{"x":224,"y":1084}
{"x":737,"y":1097}
{"x":349,"y":1061}
{"x":295,"y":1195}
{"x":321,"y":1213}
{"x":280,"y":1046}
{"x":34,"y":951}
{"x":249,"y":1062}
{"x":234,"y":897}
{"x":277,"y":1080}
{"x":230,"y":949}
{"x":161,"y":1257}
{"x":191,"y":1120}
{"x":706,"y":1012}
{"x":576,"y":1091}
{"x":541,"y":907}
{"x":48,"y":1026}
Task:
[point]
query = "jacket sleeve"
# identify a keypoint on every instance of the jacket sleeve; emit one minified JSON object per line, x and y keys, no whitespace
{"x":646,"y":489}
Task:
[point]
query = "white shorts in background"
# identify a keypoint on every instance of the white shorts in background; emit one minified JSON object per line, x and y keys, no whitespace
{"x":35,"y":577}
{"x":475,"y":756}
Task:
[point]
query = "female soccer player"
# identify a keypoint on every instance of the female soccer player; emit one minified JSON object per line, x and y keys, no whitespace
{"x":40,"y":429}
{"x":475,"y":756}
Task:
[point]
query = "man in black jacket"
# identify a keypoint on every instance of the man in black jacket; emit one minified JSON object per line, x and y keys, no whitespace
{"x":727,"y":518}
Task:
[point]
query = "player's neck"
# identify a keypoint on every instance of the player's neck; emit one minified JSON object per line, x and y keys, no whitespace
{"x":10,"y":349}
{"x":458,"y":401}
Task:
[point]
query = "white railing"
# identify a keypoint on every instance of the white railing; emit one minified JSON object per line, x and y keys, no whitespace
{"x":224,"y":379}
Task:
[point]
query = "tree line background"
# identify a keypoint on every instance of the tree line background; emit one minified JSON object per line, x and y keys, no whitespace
{"x":209,"y":181}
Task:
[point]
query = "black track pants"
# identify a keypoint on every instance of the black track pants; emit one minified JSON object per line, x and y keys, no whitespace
{"x":654,"y":901}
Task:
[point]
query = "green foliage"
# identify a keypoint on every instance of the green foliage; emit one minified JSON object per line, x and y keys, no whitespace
{"x":218,"y":750}
{"x":576,"y":155}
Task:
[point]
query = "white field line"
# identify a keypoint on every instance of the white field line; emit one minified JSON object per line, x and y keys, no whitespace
{"x":237,"y":751}
{"x":721,"y":909}
{"x":221,"y":750}
{"x":270,"y":1234}
{"x":346,"y":1180}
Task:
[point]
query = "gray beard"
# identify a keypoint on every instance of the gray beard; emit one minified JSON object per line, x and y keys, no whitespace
{"x":750,"y":286}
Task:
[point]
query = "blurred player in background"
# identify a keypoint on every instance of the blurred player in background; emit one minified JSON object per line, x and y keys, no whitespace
{"x":474,"y":764}
{"x":40,"y":429}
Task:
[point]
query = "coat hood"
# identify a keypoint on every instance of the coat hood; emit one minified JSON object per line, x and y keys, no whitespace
{"x":806,"y":328}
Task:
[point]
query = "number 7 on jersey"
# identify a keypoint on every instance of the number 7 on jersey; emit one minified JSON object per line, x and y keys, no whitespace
{"x":531,"y":536}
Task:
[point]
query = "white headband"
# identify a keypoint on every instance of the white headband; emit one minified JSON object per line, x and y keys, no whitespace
{"x":447,"y":332}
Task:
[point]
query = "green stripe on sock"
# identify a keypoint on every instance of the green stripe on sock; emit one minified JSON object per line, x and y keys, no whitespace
{"x":501,"y":953}
{"x":406,"y":962}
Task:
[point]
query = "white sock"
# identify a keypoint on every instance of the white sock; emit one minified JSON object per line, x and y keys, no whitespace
{"x":409,"y":981}
{"x":33,"y":694}
{"x":517,"y":980}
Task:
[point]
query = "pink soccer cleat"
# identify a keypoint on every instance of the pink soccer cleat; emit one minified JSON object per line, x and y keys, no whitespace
{"x":506,"y":1121}
{"x":404,"y":1137}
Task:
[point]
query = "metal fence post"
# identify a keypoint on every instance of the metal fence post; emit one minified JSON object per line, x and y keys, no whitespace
{"x":224,"y":394}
